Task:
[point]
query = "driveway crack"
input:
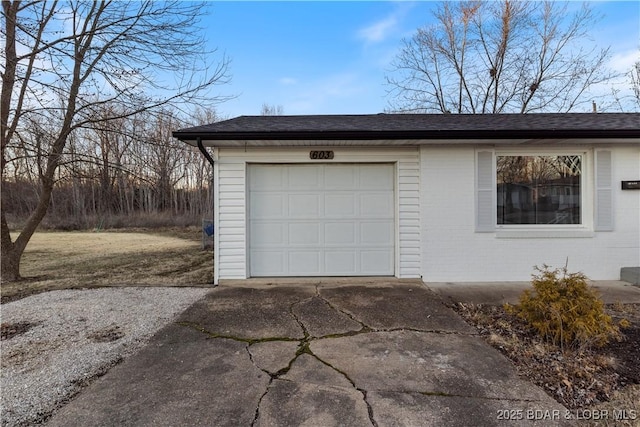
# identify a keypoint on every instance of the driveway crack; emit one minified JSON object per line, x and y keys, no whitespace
{"x":249,"y":341}
{"x":257,"y":414}
{"x":302,"y":348}
{"x":426,"y":331}
{"x":365,"y":330}
{"x":297,"y":319}
{"x":353,"y":384}
{"x":346,"y":313}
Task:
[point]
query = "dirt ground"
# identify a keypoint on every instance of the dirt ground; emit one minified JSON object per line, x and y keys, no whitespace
{"x":590,"y":381}
{"x":67,"y":260}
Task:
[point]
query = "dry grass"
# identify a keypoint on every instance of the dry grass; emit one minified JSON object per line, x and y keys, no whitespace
{"x":66,"y":260}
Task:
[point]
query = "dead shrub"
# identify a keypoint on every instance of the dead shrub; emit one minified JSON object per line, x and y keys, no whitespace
{"x":565,"y":310}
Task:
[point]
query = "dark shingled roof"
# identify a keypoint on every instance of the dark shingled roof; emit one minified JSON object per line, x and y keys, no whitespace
{"x":418,"y":126}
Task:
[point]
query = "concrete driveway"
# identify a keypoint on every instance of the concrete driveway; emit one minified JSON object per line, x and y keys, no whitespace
{"x":334,"y":354}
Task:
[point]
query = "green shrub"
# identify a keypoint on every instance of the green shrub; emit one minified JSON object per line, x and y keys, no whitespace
{"x":565,"y":310}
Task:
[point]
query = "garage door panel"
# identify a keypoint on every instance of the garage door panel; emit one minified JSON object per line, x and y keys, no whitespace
{"x":264,"y":177}
{"x":376,"y":261}
{"x":374,"y":177}
{"x":270,"y":263}
{"x":340,"y":177}
{"x":304,"y":233}
{"x":376,"y":233}
{"x":321,"y":219}
{"x":341,"y":262}
{"x":267,"y":234}
{"x":376,"y":204}
{"x":304,"y":206}
{"x":304,"y":262}
{"x":336,"y":233}
{"x":303,"y":177}
{"x":339,"y":205}
{"x":266,"y":205}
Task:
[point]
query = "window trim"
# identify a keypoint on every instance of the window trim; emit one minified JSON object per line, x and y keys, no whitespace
{"x":546,"y":233}
{"x":587,"y":200}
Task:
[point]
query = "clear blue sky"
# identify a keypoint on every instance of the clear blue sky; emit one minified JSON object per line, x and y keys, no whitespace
{"x":331,"y":57}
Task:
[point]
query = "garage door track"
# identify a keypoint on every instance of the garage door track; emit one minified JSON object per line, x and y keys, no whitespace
{"x":389,"y":354}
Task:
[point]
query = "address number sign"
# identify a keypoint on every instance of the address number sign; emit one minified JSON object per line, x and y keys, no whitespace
{"x":321,"y":155}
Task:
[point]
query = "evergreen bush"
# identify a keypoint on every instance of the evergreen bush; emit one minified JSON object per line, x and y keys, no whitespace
{"x":565,"y":310}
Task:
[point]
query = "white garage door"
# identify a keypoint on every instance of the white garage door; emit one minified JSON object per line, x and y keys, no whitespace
{"x":321,"y":220}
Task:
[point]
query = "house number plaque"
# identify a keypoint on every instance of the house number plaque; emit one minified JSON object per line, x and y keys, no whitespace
{"x":321,"y":155}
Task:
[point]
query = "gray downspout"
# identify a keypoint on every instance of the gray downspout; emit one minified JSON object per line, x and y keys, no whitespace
{"x":210,"y":159}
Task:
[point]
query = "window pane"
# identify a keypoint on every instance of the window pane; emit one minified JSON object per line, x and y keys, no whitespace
{"x":539,"y":189}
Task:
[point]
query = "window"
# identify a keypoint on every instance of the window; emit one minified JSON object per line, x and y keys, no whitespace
{"x":539,"y":194}
{"x":539,"y":189}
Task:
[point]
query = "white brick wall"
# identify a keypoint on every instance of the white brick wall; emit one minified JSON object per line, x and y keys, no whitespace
{"x":453,"y":251}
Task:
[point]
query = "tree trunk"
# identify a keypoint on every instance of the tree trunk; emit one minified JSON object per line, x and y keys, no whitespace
{"x":10,"y":259}
{"x":10,"y":265}
{"x":12,"y":251}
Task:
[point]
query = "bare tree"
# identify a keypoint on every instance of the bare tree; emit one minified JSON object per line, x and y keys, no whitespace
{"x":165,"y":160}
{"x":635,"y":83}
{"x":62,"y":60}
{"x":499,"y":57}
{"x":271,"y":110}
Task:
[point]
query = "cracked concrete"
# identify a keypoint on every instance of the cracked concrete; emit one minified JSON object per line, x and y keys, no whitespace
{"x":312,"y":391}
{"x":321,"y":319}
{"x":273,"y":356}
{"x":315,"y":355}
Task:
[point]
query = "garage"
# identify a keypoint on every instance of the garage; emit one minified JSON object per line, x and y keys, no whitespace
{"x":321,"y":219}
{"x":413,"y":195}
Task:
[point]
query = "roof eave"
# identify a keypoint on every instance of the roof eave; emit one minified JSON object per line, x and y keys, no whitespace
{"x":191,"y":137}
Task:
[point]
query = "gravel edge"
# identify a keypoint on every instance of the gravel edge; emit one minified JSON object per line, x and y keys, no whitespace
{"x":75,"y":336}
